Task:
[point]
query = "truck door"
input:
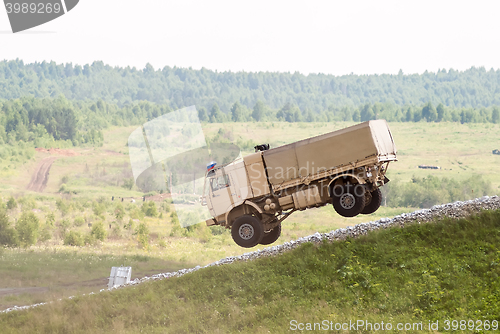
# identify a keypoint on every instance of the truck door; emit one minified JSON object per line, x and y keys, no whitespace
{"x":219,"y":193}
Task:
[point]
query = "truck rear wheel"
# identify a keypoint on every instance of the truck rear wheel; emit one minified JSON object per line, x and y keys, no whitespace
{"x":374,"y":203}
{"x":271,"y":236}
{"x":247,"y":231}
{"x":349,"y":199}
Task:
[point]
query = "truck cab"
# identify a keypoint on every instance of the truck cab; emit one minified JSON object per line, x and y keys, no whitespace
{"x":226,"y":187}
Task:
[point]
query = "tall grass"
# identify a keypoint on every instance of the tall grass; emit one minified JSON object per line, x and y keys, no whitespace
{"x":421,"y":273}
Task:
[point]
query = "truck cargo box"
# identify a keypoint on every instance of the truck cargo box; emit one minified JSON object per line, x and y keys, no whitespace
{"x":363,"y":142}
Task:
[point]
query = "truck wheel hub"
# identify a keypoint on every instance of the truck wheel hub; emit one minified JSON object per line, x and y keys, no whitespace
{"x":347,"y":201}
{"x":246,"y":231}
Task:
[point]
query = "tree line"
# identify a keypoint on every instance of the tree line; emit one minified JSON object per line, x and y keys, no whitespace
{"x":178,"y":87}
{"x":78,"y":123}
{"x":389,"y":111}
{"x":43,"y":122}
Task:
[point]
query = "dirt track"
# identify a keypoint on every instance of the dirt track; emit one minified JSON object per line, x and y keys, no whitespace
{"x":17,"y":291}
{"x":98,"y":283}
{"x":41,"y":175}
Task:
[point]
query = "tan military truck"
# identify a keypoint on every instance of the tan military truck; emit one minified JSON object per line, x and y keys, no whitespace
{"x":346,"y":168}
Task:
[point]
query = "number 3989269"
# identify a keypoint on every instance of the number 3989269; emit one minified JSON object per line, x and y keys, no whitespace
{"x":33,"y":8}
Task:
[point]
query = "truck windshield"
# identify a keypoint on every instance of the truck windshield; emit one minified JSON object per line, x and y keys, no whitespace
{"x":219,"y":182}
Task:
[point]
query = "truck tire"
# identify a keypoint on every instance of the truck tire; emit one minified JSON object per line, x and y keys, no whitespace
{"x":348,"y":200}
{"x":374,"y":203}
{"x":271,"y":236}
{"x":247,"y":231}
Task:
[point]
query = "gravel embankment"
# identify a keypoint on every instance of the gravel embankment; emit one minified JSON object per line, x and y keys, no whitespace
{"x":452,"y":210}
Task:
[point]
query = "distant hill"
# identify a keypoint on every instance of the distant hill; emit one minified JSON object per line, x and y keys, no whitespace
{"x":178,"y":87}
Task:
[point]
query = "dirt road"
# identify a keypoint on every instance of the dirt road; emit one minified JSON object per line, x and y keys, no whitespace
{"x":41,"y":175}
{"x":17,"y":291}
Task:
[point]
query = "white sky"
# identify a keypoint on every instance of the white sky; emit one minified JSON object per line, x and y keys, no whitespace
{"x":334,"y":37}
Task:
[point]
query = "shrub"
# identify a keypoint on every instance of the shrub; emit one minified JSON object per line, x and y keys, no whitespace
{"x":98,"y":232}
{"x":11,"y":203}
{"x":130,"y":225}
{"x":65,"y":179}
{"x":78,"y":205}
{"x":27,"y":203}
{"x":149,"y":209}
{"x":142,"y":233}
{"x":63,"y":206}
{"x":79,"y":221}
{"x":64,"y":225}
{"x":135,"y":213}
{"x":27,"y":228}
{"x":50,"y":219}
{"x":116,"y":232}
{"x":46,"y":233}
{"x":177,"y":230}
{"x":101,"y":199}
{"x":218,"y":230}
{"x":175,"y":218}
{"x":165,"y":206}
{"x":119,"y":212}
{"x":8,"y":235}
{"x":64,"y":189}
{"x":203,"y":232}
{"x":73,"y":238}
{"x":99,"y":208}
{"x":89,"y":239}
{"x":128,"y":183}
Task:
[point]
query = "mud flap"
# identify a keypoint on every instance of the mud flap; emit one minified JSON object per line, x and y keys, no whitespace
{"x":211,"y":222}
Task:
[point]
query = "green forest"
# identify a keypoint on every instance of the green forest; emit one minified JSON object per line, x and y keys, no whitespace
{"x":63,"y":105}
{"x":78,"y":122}
{"x":178,"y":87}
{"x":28,"y":122}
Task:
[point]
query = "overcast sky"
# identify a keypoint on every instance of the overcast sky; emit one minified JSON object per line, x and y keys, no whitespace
{"x":333,"y":37}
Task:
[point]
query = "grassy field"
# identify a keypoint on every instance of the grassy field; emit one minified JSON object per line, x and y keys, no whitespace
{"x":55,"y":270}
{"x":421,"y":274}
{"x":41,"y":273}
{"x":80,"y":188}
{"x":460,"y":150}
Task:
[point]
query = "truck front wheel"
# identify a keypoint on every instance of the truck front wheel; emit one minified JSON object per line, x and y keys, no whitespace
{"x":375,"y":202}
{"x":247,"y":231}
{"x":271,"y":236}
{"x":349,"y":199}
